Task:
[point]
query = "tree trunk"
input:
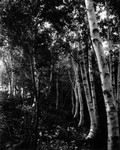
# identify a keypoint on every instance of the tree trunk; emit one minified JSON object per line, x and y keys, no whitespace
{"x":57,"y":92}
{"x":1,"y":36}
{"x":118,"y":87}
{"x":12,"y":84}
{"x":75,"y":87}
{"x":72,"y":100}
{"x":81,"y":117}
{"x":79,"y":100}
{"x":92,"y":85}
{"x":93,"y":123}
{"x":51,"y":77}
{"x":112,"y":118}
{"x":72,"y":92}
{"x":111,"y":57}
{"x":118,"y":73}
{"x":114,"y":86}
{"x":76,"y":101}
{"x":110,"y":63}
{"x":35,"y":85}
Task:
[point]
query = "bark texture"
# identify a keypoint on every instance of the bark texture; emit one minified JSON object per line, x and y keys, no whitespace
{"x":112,"y":118}
{"x":90,"y":105}
{"x":92,"y":85}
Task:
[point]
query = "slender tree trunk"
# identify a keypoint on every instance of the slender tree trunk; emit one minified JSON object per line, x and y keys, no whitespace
{"x":51,"y":77}
{"x":33,"y":71}
{"x":110,"y":63}
{"x":112,"y":118}
{"x":75,"y":69}
{"x":72,"y":92}
{"x":93,"y":123}
{"x":118,"y":83}
{"x":23,"y":84}
{"x":72,"y":100}
{"x":76,"y":101}
{"x":79,"y":100}
{"x":1,"y":36}
{"x":111,"y":57}
{"x":109,"y":39}
{"x":92,"y":85}
{"x":118,"y":74}
{"x":81,"y":117}
{"x":12,"y":84}
{"x":57,"y":92}
{"x":114,"y":86}
{"x":112,"y":75}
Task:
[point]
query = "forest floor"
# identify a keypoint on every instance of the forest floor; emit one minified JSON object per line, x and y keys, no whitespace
{"x":69,"y":139}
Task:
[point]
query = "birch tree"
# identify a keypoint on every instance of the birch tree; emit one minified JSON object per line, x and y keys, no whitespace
{"x":89,"y":100}
{"x":77,"y":91}
{"x":1,"y":36}
{"x":92,"y":85}
{"x":112,"y":118}
{"x":72,"y":92}
{"x":111,"y":53}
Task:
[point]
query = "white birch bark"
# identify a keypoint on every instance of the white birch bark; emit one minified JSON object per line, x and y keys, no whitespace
{"x":76,"y":101}
{"x":1,"y":36}
{"x":110,"y":64}
{"x":75,"y":88}
{"x":112,"y":118}
{"x":93,"y":125}
{"x":81,"y":116}
{"x":72,"y":92}
{"x":118,"y":84}
{"x":92,"y":84}
{"x":111,"y":55}
{"x":118,"y":74}
{"x":114,"y":86}
{"x":57,"y":93}
{"x":72,"y":100}
{"x":78,"y":90}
